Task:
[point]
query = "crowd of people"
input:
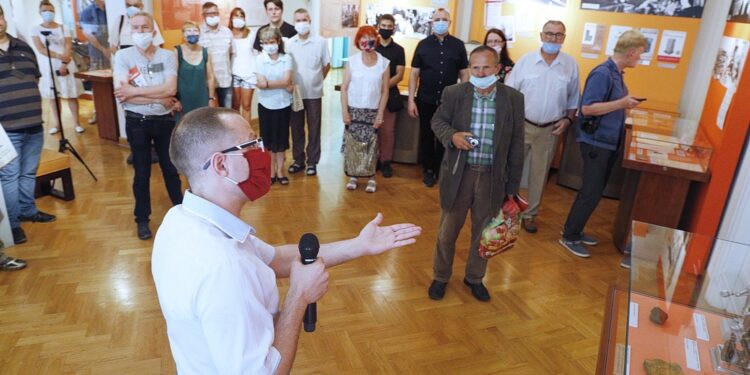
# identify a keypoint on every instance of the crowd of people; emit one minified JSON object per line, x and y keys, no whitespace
{"x":480,"y":115}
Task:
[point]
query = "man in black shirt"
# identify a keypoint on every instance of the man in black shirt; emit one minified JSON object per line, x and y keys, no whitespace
{"x":395,"y":53}
{"x":274,"y":11}
{"x":439,"y":61}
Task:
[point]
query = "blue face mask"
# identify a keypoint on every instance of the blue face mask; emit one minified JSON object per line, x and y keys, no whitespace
{"x":483,"y":82}
{"x":48,"y":16}
{"x":440,"y":27}
{"x":192,"y":39}
{"x":130,"y":11}
{"x":551,"y":48}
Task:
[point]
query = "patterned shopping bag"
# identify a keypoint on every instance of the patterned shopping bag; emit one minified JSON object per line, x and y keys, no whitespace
{"x":501,"y":233}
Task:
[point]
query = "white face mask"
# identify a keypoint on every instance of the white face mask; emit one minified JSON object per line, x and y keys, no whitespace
{"x":270,"y":48}
{"x":142,"y":40}
{"x":498,"y":49}
{"x":302,"y":27}
{"x":238,"y":23}
{"x":212,"y":21}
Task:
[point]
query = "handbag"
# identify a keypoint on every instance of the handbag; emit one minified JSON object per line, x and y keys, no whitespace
{"x":297,"y":104}
{"x":360,"y":158}
{"x":501,"y":233}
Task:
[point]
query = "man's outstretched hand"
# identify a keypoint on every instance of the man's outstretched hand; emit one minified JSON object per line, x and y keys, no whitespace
{"x":374,"y":239}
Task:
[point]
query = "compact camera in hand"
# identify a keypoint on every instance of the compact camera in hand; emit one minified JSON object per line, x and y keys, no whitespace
{"x":472,"y":141}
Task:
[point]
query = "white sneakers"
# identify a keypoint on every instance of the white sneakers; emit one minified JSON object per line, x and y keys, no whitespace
{"x":79,"y":130}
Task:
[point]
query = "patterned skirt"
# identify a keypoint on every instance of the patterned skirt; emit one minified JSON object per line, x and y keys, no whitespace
{"x":360,"y":145}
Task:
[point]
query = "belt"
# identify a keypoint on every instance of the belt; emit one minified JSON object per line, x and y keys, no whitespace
{"x":542,"y":125}
{"x":478,"y":168}
{"x":130,"y":114}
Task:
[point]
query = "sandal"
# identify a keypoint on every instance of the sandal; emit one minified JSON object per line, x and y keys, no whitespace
{"x":311,"y":170}
{"x":372,"y":186}
{"x":294,"y":168}
{"x":273,"y":180}
{"x":12,"y":264}
{"x":53,"y":131}
{"x":352,"y":184}
{"x":284,"y":180}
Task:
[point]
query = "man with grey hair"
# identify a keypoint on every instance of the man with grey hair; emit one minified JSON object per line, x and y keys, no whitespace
{"x":548,"y":79}
{"x":216,"y":281}
{"x":439,"y":61}
{"x":145,"y":80}
{"x":477,"y":177}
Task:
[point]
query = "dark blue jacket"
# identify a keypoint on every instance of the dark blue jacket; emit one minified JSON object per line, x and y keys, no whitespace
{"x":611,"y":126}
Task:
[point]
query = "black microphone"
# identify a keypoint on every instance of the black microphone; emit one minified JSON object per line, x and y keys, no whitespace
{"x":308,"y":251}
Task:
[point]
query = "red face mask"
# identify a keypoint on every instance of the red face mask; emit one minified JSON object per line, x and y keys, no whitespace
{"x":258,"y":182}
{"x":367,"y":45}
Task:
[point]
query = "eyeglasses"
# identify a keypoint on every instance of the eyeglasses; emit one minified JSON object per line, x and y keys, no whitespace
{"x":495,"y":42}
{"x":256,"y":143}
{"x":554,"y":35}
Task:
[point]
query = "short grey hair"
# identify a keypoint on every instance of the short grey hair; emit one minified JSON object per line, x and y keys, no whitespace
{"x":147,"y":15}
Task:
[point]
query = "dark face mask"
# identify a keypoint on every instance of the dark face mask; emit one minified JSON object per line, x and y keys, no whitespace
{"x":385,"y":33}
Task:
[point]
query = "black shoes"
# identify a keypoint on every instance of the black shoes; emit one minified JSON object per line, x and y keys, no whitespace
{"x":19,"y":236}
{"x":39,"y":217}
{"x":386,"y":169}
{"x":478,"y":291}
{"x":294,"y":168}
{"x":429,"y":178}
{"x":436,"y":290}
{"x":144,"y":232}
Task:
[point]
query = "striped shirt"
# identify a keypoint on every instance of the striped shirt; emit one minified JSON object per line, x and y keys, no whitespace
{"x":20,"y":101}
{"x":482,"y":127}
{"x":219,"y":45}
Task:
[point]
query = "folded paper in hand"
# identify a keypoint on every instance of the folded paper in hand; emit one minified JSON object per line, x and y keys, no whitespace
{"x":7,"y":151}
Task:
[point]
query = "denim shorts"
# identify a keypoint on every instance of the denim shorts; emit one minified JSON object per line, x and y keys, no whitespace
{"x":244,"y":82}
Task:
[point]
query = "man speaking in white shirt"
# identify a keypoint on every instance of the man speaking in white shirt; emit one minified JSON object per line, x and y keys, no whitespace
{"x":215,"y":279}
{"x":548,"y":79}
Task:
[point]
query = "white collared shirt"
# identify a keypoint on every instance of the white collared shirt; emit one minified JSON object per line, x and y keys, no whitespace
{"x":274,"y":70}
{"x":216,"y":291}
{"x":549,"y":90}
{"x":219,"y":44}
{"x":310,"y":57}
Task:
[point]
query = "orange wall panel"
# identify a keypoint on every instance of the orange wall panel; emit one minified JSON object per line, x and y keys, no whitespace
{"x":661,"y":86}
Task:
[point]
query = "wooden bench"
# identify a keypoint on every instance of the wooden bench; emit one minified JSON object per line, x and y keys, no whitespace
{"x":54,"y":165}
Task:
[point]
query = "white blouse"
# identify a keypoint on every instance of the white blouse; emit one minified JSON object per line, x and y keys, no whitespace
{"x":367,"y":81}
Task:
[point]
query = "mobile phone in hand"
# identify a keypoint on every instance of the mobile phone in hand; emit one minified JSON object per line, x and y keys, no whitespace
{"x":640,"y":99}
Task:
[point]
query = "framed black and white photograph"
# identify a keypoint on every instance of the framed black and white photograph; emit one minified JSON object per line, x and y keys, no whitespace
{"x":557,"y":3}
{"x":671,"y":8}
{"x":411,"y":22}
{"x":730,"y":61}
{"x":739,"y":11}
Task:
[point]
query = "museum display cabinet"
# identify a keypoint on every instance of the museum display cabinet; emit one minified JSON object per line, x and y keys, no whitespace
{"x":664,"y":317}
{"x":664,"y":155}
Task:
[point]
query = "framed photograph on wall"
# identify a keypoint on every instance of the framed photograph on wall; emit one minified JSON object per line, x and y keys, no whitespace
{"x":411,"y":22}
{"x":739,"y":11}
{"x":671,"y":8}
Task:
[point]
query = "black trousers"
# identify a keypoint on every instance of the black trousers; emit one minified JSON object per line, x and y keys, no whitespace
{"x":430,"y":149}
{"x":597,"y":165}
{"x":141,"y":133}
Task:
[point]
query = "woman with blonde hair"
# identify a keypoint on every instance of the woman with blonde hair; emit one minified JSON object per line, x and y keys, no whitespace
{"x":63,"y":67}
{"x":195,"y":74}
{"x":274,"y":82}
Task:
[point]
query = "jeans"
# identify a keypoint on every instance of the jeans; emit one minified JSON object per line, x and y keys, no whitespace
{"x":430,"y":149}
{"x":597,"y":165}
{"x":224,"y":95}
{"x":140,"y":134}
{"x":19,"y":176}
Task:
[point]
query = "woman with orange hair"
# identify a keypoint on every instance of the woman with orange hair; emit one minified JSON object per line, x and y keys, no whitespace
{"x":364,"y":94}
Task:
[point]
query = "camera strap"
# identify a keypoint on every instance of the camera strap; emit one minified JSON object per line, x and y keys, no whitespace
{"x":608,"y":97}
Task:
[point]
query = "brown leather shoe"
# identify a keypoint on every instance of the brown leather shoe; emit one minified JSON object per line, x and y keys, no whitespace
{"x":529,"y":225}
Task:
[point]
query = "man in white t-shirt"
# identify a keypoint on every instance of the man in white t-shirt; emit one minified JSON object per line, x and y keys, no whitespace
{"x":215,"y":279}
{"x":312,"y":61}
{"x":119,"y":32}
{"x":218,"y":40}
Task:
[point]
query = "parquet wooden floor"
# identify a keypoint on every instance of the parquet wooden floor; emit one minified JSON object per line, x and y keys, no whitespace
{"x":87,"y":305}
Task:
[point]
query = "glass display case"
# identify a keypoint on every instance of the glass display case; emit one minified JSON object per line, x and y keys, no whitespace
{"x":672,"y":316}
